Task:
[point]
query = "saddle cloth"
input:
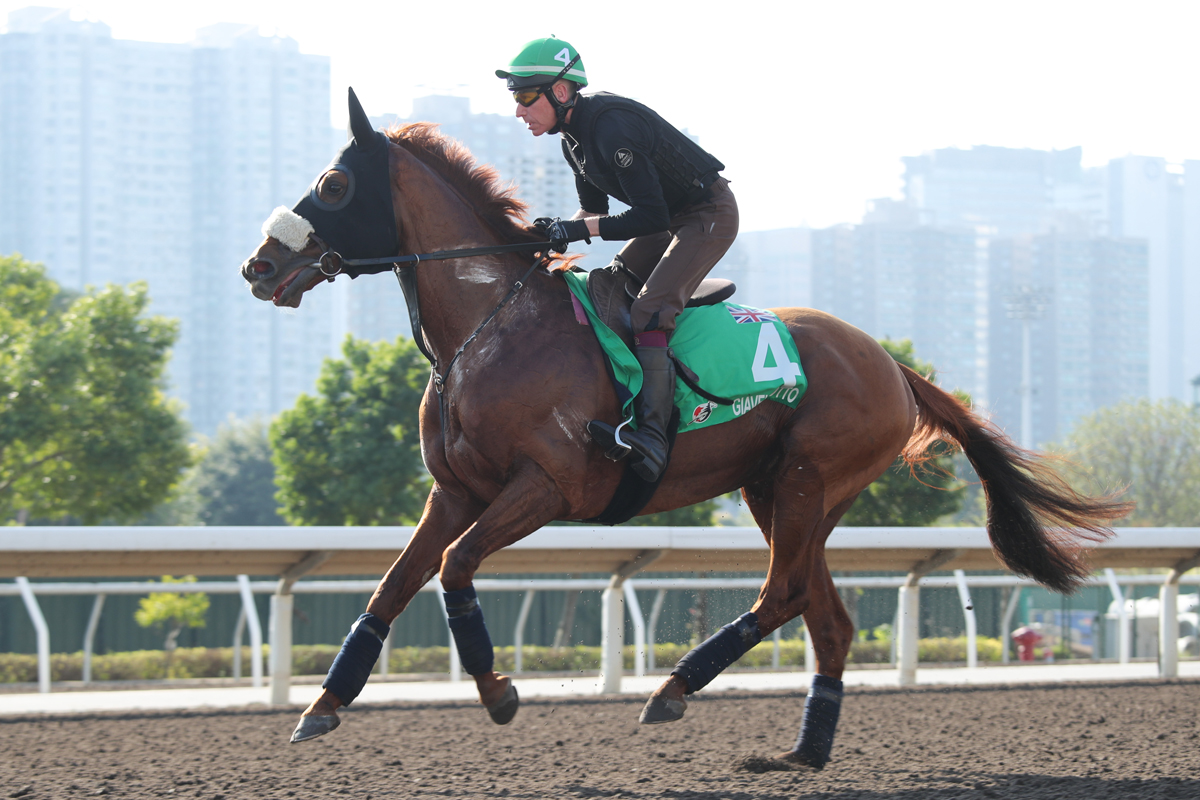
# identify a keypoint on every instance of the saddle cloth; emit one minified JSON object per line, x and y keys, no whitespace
{"x":739,"y":353}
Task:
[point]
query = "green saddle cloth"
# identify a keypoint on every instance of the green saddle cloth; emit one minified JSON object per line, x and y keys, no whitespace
{"x":740,"y":353}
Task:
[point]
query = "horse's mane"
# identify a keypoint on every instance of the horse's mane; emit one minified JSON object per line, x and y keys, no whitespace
{"x":479,"y":184}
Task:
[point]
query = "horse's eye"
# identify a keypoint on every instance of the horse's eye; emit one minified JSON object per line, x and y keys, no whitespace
{"x":332,"y":187}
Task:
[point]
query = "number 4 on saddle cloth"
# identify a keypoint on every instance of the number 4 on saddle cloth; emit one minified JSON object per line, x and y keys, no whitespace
{"x":738,"y":356}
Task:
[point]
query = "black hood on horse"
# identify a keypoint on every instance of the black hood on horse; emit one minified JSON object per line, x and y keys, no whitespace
{"x":362,"y":223}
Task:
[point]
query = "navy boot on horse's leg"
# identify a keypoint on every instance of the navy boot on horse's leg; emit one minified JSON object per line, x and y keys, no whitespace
{"x":476,"y":654}
{"x":821,"y":711}
{"x":697,"y":669}
{"x":347,"y":675}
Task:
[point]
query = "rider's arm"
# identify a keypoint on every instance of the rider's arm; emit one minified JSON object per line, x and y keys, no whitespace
{"x":592,"y":201}
{"x":626,"y":142}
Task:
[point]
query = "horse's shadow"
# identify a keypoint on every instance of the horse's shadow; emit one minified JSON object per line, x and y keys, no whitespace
{"x":941,"y":787}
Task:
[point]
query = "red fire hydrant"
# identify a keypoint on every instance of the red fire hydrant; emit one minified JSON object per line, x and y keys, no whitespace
{"x":1026,"y":638}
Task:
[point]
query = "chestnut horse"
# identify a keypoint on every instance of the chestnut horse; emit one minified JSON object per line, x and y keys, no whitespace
{"x":507,"y":447}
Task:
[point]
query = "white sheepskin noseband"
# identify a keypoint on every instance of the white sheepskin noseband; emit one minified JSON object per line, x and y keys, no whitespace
{"x":288,"y":227}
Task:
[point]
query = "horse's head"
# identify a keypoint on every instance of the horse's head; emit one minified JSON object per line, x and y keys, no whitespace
{"x":346,"y":214}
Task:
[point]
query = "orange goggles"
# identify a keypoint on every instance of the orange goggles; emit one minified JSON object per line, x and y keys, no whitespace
{"x":527,"y":97}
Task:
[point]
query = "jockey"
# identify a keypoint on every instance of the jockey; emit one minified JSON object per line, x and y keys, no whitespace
{"x":681,"y":219}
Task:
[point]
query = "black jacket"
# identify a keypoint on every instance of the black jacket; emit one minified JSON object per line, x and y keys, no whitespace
{"x":620,"y":148}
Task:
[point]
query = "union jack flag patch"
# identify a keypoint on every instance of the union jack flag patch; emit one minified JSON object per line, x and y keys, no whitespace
{"x":743,"y":315}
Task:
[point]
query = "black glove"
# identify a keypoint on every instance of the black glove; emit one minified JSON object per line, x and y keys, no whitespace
{"x":562,"y":232}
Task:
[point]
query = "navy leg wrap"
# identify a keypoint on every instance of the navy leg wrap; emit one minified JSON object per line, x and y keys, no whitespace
{"x":470,"y":634}
{"x":350,"y":670}
{"x":820,"y":721}
{"x":718,"y":651}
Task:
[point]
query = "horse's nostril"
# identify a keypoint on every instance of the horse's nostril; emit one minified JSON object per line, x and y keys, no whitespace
{"x":262,"y":268}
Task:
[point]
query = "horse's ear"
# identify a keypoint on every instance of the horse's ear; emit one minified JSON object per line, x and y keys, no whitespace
{"x":361,"y":130}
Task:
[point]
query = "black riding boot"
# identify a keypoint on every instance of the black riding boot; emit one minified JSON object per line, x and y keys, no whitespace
{"x":654,"y":405}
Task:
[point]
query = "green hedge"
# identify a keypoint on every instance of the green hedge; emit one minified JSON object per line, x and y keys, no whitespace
{"x":217,"y":662}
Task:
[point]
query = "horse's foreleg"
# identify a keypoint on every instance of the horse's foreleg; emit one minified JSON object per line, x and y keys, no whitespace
{"x":527,"y":502}
{"x":444,"y":519}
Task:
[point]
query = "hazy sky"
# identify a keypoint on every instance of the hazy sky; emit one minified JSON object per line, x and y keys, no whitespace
{"x":809,"y":104}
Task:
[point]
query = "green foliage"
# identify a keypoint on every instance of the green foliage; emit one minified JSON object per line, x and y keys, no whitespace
{"x":900,"y":497}
{"x":352,"y":454}
{"x":1149,"y":449}
{"x":315,"y":659}
{"x":173,"y":611}
{"x":85,"y":429}
{"x":235,"y":482}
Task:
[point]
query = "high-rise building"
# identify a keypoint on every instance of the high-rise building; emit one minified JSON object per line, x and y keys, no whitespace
{"x":898,"y":280}
{"x":1146,"y":198}
{"x":1009,"y":191}
{"x":261,"y":134}
{"x":159,"y":162}
{"x":1088,"y":344}
{"x":772,"y":269}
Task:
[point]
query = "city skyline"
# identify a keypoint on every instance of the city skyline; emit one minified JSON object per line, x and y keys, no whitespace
{"x":246,"y":101}
{"x":846,"y":91}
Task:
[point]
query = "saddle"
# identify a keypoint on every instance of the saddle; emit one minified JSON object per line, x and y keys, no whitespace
{"x":613,"y":289}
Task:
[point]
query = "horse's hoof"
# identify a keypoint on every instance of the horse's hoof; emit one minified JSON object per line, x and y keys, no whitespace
{"x":503,"y":710}
{"x":313,"y":725}
{"x":798,"y":761}
{"x":662,"y":709}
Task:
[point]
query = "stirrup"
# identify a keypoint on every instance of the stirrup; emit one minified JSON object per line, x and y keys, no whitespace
{"x":609,"y":438}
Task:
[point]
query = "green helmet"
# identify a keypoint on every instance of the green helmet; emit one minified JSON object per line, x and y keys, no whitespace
{"x":542,"y":61}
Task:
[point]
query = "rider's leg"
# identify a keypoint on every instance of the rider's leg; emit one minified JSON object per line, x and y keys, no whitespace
{"x":701,"y":235}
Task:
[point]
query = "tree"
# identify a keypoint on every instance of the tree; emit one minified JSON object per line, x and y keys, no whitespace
{"x":85,"y":428}
{"x":1149,"y":449}
{"x":235,"y":482}
{"x":903,"y":496}
{"x":352,"y":454}
{"x":173,"y":612}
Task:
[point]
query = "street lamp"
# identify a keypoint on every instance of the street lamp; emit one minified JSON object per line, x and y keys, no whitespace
{"x":1026,"y":304}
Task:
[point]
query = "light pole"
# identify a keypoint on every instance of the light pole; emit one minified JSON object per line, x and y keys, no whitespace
{"x":1027,"y":305}
{"x":1196,"y":393}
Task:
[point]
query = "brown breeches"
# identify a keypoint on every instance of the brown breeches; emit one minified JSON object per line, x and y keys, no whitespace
{"x":672,"y":263}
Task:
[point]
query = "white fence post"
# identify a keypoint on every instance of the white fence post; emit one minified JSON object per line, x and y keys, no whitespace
{"x":89,"y":637}
{"x":42,"y":630}
{"x":810,"y":651}
{"x":282,"y":606}
{"x":908,"y":633}
{"x":1168,"y":618}
{"x":612,"y":636}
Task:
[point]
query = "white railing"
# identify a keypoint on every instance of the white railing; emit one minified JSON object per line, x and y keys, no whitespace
{"x":619,"y":601}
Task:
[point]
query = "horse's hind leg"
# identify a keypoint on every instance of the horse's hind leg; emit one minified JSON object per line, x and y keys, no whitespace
{"x":444,"y":519}
{"x":783,"y":597}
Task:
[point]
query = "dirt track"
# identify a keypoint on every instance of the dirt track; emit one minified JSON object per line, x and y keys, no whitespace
{"x":1112,"y":741}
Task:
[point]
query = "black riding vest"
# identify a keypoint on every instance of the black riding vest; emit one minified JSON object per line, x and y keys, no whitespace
{"x":685,"y":170}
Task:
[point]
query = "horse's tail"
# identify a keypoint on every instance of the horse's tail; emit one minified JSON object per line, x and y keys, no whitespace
{"x":1037,"y":523}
